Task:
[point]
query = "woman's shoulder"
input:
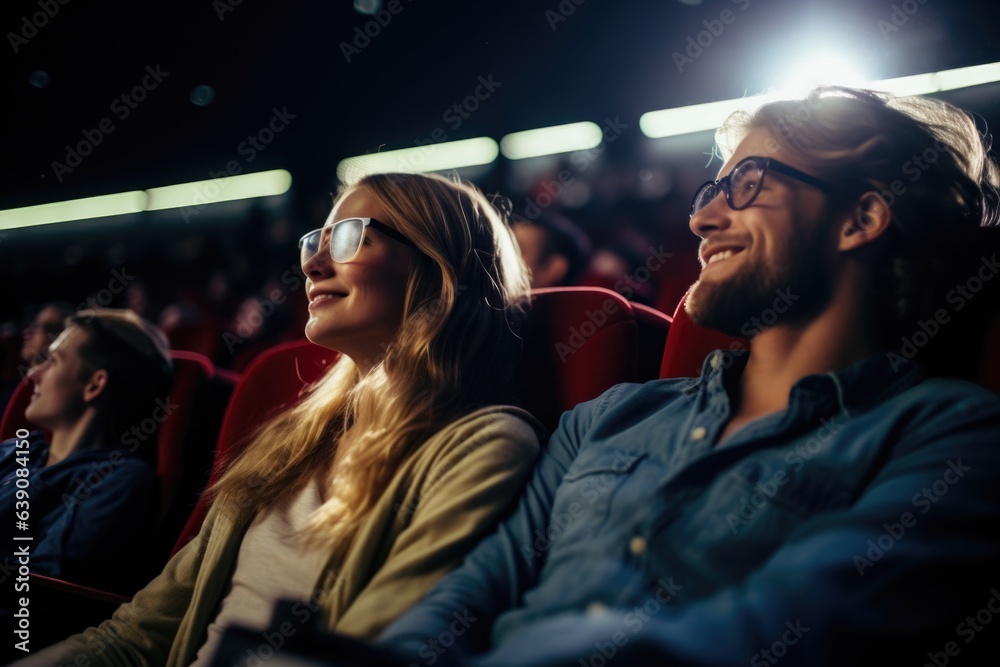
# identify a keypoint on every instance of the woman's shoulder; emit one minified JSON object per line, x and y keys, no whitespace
{"x":494,"y":427}
{"x":497,"y":418}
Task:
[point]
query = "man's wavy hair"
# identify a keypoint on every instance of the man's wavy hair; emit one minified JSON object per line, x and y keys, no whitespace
{"x":927,"y":159}
{"x":136,"y":356}
{"x":454,"y":352}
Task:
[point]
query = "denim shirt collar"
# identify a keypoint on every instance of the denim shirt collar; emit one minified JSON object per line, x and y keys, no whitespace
{"x":857,"y":387}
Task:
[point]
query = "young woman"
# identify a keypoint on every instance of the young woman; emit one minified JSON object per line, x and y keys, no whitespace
{"x":395,"y":463}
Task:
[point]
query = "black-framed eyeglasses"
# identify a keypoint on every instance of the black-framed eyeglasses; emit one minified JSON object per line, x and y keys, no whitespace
{"x":742,"y":185}
{"x":346,"y":237}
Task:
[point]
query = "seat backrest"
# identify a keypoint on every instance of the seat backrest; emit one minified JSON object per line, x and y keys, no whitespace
{"x":13,"y":415}
{"x":989,"y":364}
{"x":579,"y":341}
{"x":187,"y":440}
{"x":272,"y":381}
{"x":688,"y":344}
{"x":654,"y":327}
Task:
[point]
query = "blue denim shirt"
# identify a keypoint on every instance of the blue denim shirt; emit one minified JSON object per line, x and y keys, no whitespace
{"x":862,"y":516}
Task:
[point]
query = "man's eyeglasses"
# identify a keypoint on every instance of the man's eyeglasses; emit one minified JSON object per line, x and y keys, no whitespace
{"x":346,"y":237}
{"x":742,"y":185}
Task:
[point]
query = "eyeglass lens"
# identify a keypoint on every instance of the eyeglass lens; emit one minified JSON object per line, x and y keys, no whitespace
{"x":741,"y":185}
{"x":345,"y":241}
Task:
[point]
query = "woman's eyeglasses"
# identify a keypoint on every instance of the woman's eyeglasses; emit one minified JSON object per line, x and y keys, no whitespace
{"x":346,"y":237}
{"x":742,"y":185}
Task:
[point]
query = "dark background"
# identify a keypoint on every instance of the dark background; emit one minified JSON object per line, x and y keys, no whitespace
{"x":605,"y":60}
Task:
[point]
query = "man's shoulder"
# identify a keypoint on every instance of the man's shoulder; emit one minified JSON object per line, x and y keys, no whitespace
{"x":949,"y":397}
{"x":34,"y":445}
{"x":659,"y":392}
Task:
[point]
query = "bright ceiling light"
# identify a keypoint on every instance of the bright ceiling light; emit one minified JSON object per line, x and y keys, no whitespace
{"x":708,"y":116}
{"x":819,"y":69}
{"x":684,"y":120}
{"x":936,"y":82}
{"x":551,"y":140}
{"x":76,"y":209}
{"x":199,"y":193}
{"x":432,"y":157}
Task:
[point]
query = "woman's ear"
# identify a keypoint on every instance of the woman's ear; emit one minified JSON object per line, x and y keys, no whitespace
{"x":867,"y":221}
{"x":95,"y":385}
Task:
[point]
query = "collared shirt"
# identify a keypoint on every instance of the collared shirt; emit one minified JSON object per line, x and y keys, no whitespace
{"x":89,"y":515}
{"x":824,"y":525}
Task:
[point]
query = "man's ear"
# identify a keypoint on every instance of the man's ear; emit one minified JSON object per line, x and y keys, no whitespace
{"x":95,"y":385}
{"x":867,"y":221}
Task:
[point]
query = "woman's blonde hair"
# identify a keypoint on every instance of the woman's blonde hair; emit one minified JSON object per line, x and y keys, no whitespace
{"x":454,"y":352}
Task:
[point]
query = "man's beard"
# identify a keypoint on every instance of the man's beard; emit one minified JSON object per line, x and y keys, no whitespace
{"x":745,"y":303}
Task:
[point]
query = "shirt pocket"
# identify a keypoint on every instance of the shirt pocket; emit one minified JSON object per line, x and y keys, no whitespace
{"x":589,"y":487}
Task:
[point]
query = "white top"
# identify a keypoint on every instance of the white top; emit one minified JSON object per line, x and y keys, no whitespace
{"x":274,"y":562}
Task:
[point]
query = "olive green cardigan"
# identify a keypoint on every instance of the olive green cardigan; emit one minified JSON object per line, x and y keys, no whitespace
{"x":441,"y":502}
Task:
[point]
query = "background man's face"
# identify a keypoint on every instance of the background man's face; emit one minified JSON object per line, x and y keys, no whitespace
{"x":38,"y":335}
{"x":58,"y":396}
{"x":783,"y":242}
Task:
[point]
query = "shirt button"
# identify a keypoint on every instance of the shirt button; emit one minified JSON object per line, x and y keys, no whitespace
{"x":698,"y":433}
{"x":596,"y":609}
{"x":637,"y":545}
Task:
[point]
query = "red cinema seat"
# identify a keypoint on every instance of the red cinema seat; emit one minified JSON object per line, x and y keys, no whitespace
{"x":186,"y":443}
{"x":989,"y":364}
{"x":579,"y":341}
{"x":272,"y":381}
{"x":13,"y":415}
{"x":688,"y":344}
{"x":654,"y":327}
